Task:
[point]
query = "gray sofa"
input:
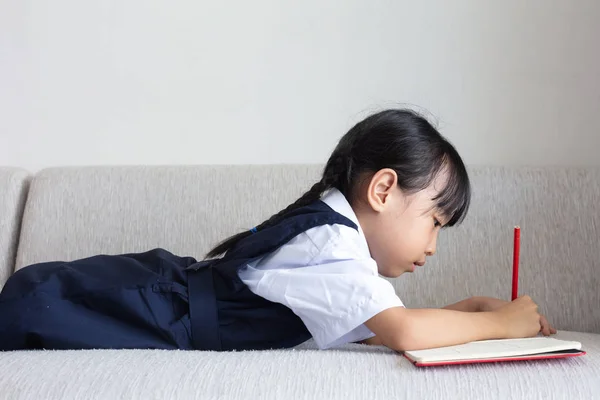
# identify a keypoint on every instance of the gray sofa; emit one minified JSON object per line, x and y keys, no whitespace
{"x":67,"y":213}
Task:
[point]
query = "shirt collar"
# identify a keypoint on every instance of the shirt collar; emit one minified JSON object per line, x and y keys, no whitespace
{"x":337,"y":201}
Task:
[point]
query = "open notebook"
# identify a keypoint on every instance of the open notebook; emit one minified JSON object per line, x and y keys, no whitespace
{"x":496,"y":351}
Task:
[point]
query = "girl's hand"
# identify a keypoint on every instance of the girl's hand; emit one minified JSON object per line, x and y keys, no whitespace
{"x":491,"y":304}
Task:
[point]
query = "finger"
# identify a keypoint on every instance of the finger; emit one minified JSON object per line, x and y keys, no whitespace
{"x":546,"y":329}
{"x":551,"y":329}
{"x":542,"y":325}
{"x":545,"y":326}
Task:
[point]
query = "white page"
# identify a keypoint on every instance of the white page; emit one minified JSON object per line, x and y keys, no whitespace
{"x":493,"y":349}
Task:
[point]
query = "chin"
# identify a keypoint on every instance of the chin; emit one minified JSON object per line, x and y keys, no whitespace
{"x":392,"y":274}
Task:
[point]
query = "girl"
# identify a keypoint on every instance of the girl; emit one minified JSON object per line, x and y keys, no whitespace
{"x":311,"y":270}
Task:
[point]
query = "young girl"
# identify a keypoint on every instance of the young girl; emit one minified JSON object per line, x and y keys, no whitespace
{"x":311,"y":270}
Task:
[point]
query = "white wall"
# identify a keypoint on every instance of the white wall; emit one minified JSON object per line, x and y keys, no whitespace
{"x":195,"y":82}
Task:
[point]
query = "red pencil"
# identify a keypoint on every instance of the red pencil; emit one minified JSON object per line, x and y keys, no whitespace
{"x":517,"y":248}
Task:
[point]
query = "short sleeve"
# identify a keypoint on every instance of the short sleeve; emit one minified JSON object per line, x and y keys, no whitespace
{"x":332,"y":299}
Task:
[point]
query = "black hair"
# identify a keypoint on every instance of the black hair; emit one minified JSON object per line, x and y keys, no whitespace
{"x":399,"y":139}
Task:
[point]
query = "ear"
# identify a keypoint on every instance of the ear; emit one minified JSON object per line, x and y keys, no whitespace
{"x":381,"y":187}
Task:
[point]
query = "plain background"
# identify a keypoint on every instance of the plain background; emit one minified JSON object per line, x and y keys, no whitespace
{"x":234,"y":82}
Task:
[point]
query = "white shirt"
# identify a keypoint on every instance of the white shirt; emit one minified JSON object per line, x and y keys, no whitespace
{"x":327,"y":277}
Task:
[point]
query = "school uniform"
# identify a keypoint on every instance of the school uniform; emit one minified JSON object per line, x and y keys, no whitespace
{"x":310,"y":275}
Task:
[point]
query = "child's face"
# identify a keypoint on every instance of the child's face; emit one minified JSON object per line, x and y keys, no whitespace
{"x":401,"y":230}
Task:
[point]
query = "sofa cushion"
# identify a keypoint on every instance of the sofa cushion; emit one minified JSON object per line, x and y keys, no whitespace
{"x":77,"y":212}
{"x":351,"y":372}
{"x":13,"y":191}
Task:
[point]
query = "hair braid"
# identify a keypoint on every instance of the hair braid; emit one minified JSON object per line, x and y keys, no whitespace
{"x":330,"y":179}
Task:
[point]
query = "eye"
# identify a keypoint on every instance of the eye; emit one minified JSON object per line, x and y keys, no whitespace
{"x":436,"y":222}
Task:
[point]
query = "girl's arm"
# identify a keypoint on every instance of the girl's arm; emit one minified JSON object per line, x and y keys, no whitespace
{"x":472,"y":304}
{"x":404,"y":329}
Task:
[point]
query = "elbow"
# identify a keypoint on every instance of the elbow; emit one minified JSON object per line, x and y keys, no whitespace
{"x":404,"y":344}
{"x":405,"y":340}
{"x":396,"y":329}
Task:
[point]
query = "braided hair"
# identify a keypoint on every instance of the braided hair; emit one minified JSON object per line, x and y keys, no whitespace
{"x":401,"y":140}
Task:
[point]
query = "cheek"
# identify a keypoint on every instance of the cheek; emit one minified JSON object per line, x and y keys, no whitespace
{"x":395,"y":246}
{"x":398,"y":240}
{"x":412,"y":240}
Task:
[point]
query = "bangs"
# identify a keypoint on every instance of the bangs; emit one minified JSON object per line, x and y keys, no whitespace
{"x":453,"y":201}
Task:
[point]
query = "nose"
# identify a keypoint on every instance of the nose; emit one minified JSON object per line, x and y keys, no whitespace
{"x":430,"y":250}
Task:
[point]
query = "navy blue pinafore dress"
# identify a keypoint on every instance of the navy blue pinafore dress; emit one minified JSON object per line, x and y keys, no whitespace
{"x":155,"y":300}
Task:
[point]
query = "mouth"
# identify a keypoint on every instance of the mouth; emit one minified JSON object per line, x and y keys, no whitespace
{"x":417,"y":264}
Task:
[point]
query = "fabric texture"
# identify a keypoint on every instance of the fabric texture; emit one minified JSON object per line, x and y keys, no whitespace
{"x":352,"y":372}
{"x":327,"y":277}
{"x":13,"y":192}
{"x":75,"y":212}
